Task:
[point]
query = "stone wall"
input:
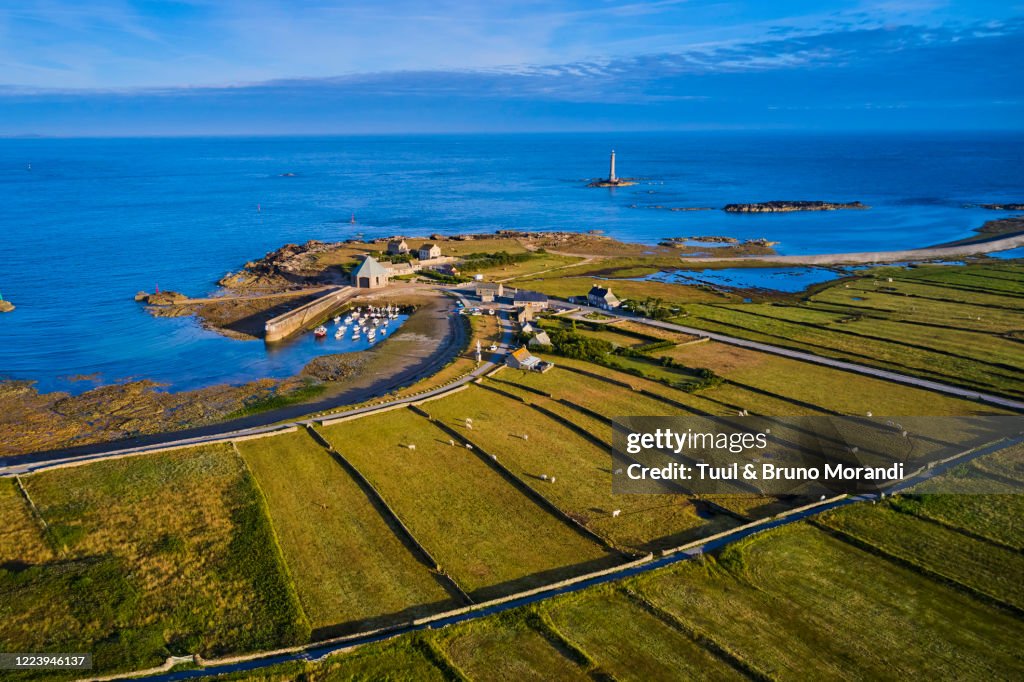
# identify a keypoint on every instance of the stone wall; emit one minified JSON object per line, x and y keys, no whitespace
{"x":288,"y":323}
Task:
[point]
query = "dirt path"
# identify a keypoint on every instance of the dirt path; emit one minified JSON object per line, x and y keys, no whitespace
{"x":586,"y":261}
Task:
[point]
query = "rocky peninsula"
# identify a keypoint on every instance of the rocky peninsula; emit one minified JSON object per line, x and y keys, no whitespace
{"x":790,"y":206}
{"x":6,"y":306}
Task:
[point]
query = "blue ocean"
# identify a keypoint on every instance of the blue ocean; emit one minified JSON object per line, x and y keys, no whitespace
{"x":85,"y":223}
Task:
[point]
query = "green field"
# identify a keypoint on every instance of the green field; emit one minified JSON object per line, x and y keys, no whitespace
{"x":927,"y":359}
{"x":506,"y":647}
{"x":563,"y":285}
{"x":613,"y":400}
{"x":996,"y":517}
{"x":349,"y":566}
{"x":627,"y":641}
{"x":600,"y":396}
{"x":408,"y":659}
{"x":791,"y":603}
{"x":21,"y":536}
{"x":956,"y":325}
{"x":583,"y":480}
{"x":167,"y":553}
{"x":795,"y":603}
{"x":794,"y":380}
{"x":990,"y":569}
{"x":488,"y":535}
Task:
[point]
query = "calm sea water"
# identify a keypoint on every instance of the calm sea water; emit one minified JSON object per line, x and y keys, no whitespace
{"x":94,"y":221}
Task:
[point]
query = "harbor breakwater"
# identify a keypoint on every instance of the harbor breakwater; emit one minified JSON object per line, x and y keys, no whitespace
{"x":286,"y":324}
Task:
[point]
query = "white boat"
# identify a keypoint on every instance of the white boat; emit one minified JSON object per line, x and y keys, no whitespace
{"x":338,"y":334}
{"x":337,"y":319}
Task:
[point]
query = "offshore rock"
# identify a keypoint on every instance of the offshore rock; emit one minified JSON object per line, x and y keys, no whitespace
{"x":788,"y":206}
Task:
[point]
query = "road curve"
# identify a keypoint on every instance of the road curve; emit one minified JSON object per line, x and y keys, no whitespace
{"x":24,"y":464}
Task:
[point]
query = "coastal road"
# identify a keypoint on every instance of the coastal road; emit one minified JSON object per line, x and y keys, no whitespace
{"x":816,"y":359}
{"x":453,"y":342}
{"x":24,"y":464}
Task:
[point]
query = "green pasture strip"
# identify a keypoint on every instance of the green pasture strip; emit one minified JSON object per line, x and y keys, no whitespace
{"x":488,"y":535}
{"x":349,"y":566}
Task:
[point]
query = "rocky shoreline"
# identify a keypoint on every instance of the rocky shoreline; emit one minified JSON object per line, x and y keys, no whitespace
{"x":620,"y":182}
{"x":1015,"y":206}
{"x":790,"y":206}
{"x":6,"y":306}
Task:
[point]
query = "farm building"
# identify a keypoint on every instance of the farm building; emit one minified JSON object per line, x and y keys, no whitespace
{"x":541,"y":338}
{"x":521,"y":358}
{"x":428,"y":251}
{"x":397,"y":247}
{"x":488,"y":291}
{"x":601,"y":297}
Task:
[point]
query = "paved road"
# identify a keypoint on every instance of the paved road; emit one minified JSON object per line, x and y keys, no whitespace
{"x":818,"y":360}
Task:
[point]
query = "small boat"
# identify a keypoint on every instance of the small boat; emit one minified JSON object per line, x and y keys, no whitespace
{"x":338,"y":334}
{"x":320,"y":332}
{"x":337,"y":319}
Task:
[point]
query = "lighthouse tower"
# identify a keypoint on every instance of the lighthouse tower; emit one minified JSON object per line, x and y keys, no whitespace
{"x":611,"y":169}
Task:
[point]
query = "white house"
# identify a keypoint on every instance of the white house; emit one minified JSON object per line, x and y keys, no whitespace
{"x":428,"y":251}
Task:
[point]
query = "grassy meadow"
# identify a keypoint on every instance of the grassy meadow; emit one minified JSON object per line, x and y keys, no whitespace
{"x":630,"y":642}
{"x":959,"y":325}
{"x":989,"y":569}
{"x":508,"y":647}
{"x":351,"y":570}
{"x":170,"y":553}
{"x":489,"y":536}
{"x":583,"y":480}
{"x":796,"y":603}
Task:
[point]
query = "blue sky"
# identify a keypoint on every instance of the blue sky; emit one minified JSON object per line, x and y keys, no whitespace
{"x":205,"y":67}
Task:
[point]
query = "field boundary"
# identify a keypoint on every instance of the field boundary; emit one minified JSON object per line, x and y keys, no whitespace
{"x":381,"y":503}
{"x":869,"y":547}
{"x":535,"y":495}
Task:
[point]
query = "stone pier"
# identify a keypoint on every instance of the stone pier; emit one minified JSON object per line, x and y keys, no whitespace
{"x":305,"y":316}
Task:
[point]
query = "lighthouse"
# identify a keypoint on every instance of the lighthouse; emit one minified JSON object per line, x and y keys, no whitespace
{"x":612,"y":180}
